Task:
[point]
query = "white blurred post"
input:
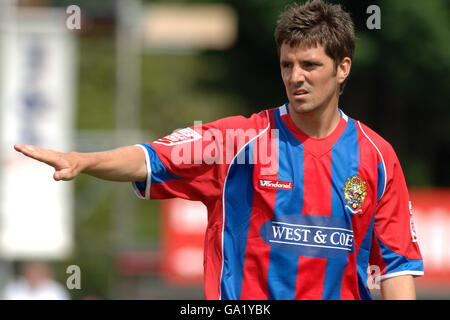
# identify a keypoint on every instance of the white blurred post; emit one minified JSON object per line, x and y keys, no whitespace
{"x":127,"y":109}
{"x":36,"y":107}
{"x":128,"y":50}
{"x":7,"y":21}
{"x":127,"y":120}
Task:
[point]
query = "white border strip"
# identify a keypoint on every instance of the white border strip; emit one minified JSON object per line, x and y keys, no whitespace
{"x":309,"y":245}
{"x":382,"y":159}
{"x":223,"y":198}
{"x":315,"y":227}
{"x":149,"y":176}
{"x":344,"y":116}
{"x":400,"y":273}
{"x":283,"y":110}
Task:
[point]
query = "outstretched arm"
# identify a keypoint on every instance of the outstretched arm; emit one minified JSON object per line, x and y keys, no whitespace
{"x":122,"y":164}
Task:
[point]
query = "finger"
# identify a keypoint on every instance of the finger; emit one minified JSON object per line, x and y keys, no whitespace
{"x":19,"y":147}
{"x":28,"y":150}
{"x":47,"y":156}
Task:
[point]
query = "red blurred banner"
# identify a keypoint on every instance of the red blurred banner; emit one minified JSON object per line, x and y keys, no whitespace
{"x":431,"y":213}
{"x":183,"y":232}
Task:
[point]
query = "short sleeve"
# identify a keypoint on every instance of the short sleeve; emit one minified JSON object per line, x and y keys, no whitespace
{"x":395,"y":248}
{"x":191,"y":163}
{"x":183,"y":164}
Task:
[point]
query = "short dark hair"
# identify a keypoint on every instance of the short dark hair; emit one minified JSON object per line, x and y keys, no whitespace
{"x":318,"y":23}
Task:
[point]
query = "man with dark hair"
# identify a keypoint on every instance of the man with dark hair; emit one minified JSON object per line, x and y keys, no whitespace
{"x":318,"y":23}
{"x":308,"y":198}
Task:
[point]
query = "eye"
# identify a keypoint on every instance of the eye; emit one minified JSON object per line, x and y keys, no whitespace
{"x":286,"y":64}
{"x":310,"y":65}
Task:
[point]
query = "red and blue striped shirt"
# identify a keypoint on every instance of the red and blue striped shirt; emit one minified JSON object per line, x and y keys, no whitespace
{"x":289,"y":216}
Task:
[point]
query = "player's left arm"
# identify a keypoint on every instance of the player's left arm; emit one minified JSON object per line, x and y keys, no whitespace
{"x":398,"y":288}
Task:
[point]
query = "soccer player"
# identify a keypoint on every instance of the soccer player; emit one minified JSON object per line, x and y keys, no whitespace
{"x":301,"y":198}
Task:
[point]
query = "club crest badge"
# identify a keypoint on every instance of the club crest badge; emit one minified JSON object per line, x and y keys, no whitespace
{"x":355,"y":192}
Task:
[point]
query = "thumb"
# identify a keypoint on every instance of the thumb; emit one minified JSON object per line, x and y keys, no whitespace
{"x":63,"y":174}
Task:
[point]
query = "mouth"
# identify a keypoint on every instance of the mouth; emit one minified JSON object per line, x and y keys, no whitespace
{"x":300,"y":93}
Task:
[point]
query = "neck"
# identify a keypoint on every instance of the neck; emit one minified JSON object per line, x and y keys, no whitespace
{"x":318,"y":123}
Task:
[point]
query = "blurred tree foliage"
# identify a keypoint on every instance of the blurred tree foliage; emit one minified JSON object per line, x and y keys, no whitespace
{"x":399,"y":86}
{"x":399,"y":83}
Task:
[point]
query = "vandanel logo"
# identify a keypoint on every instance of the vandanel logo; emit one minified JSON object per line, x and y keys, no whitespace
{"x":275,"y":184}
{"x":309,"y":235}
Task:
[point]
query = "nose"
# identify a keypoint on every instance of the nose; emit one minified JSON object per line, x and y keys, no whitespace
{"x":298,"y":75}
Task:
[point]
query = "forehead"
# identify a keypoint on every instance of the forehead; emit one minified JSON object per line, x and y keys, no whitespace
{"x":300,"y":51}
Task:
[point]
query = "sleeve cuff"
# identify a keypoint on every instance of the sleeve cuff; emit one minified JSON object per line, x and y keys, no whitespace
{"x":414,"y":273}
{"x":142,"y":188}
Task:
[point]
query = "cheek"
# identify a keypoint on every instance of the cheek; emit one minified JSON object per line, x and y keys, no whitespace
{"x":285,"y":79}
{"x":326,"y":84}
{"x":285,"y":76}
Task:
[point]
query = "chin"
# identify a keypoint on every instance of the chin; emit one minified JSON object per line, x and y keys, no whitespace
{"x":302,"y":107}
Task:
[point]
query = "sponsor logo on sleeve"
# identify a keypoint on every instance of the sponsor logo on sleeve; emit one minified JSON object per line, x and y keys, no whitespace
{"x":180,"y":136}
{"x":411,"y":224}
{"x":309,"y":235}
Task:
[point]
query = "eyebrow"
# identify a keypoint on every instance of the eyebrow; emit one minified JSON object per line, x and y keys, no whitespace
{"x":310,"y":61}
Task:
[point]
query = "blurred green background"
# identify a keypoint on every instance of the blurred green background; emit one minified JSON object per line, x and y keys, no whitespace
{"x":399,"y":86}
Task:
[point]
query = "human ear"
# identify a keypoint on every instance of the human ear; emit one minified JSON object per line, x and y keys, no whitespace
{"x":343,"y":69}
